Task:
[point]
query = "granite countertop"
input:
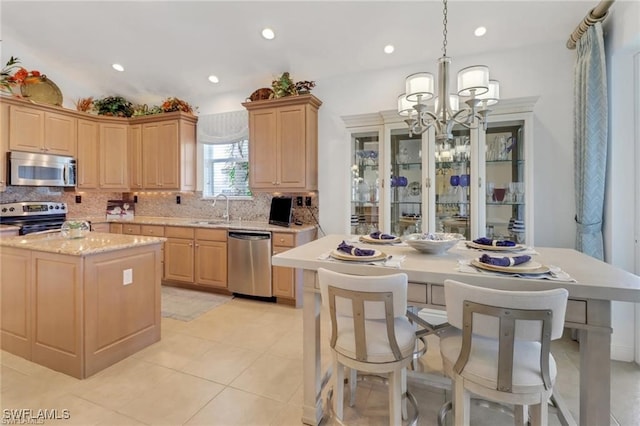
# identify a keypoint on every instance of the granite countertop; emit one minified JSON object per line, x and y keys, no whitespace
{"x":202,"y":223}
{"x":93,"y":243}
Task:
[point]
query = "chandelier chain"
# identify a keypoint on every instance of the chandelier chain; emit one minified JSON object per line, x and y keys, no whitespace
{"x":444,"y":31}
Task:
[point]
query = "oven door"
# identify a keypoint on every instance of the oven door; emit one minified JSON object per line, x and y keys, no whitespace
{"x":30,"y":169}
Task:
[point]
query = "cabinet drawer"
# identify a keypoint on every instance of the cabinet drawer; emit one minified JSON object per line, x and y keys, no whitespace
{"x":279,"y":249}
{"x":437,"y":295}
{"x":152,"y":230}
{"x":131,"y":229}
{"x":115,"y":228}
{"x":576,"y":311}
{"x":417,"y":293}
{"x":178,"y":232}
{"x":282,"y":239}
{"x":211,"y":234}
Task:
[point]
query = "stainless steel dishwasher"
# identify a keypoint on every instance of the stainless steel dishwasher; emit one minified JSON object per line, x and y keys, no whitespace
{"x":249,"y":263}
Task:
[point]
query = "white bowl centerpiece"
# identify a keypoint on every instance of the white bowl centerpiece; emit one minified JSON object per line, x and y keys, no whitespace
{"x":432,"y":242}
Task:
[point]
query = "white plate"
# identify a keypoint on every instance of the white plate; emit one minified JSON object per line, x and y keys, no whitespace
{"x":368,"y":239}
{"x":517,"y":247}
{"x":529,"y":267}
{"x":340,"y":255}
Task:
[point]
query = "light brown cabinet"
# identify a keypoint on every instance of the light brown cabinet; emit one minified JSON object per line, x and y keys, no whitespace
{"x":211,"y":257}
{"x":179,"y":254}
{"x":196,"y":256}
{"x":102,"y":155}
{"x":35,"y":129}
{"x":4,"y":144}
{"x":284,"y":144}
{"x":287,"y":282}
{"x":73,"y":314}
{"x":163,"y":152}
{"x":114,"y":170}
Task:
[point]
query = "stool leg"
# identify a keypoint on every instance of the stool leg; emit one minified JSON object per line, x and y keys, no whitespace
{"x":521,"y":414}
{"x":461,"y":402}
{"x":395,"y":390}
{"x":405,"y":416}
{"x":353,"y":378}
{"x":539,"y":414}
{"x":338,"y":401}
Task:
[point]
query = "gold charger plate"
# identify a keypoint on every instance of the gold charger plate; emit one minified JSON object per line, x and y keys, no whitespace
{"x":517,"y":247}
{"x":377,"y":255}
{"x":44,"y":91}
{"x":368,"y":239}
{"x":529,"y":267}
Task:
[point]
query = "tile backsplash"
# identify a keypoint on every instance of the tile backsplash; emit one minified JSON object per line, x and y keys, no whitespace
{"x":157,"y":203}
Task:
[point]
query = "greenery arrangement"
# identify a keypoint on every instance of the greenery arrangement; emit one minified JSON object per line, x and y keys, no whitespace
{"x":84,"y":104}
{"x":175,"y":104}
{"x":116,"y":106}
{"x":284,"y":86}
{"x":12,"y":74}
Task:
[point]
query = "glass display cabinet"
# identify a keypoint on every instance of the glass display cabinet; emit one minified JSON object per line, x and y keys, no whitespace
{"x":480,"y":183}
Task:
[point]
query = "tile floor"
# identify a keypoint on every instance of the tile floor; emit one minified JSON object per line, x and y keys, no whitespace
{"x":241,"y":364}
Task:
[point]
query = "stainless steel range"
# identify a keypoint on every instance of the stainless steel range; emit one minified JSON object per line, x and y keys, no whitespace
{"x":33,"y":216}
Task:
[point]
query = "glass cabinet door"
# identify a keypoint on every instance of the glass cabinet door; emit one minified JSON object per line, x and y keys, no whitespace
{"x":505,"y":181}
{"x":452,"y":184}
{"x":365,"y":181}
{"x":406,"y":177}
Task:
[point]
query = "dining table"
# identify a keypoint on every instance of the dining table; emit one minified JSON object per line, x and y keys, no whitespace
{"x":592,"y":285}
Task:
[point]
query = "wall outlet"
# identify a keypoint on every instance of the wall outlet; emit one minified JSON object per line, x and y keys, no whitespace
{"x":299,"y":201}
{"x":135,"y":198}
{"x":307,"y":201}
{"x":78,"y":199}
{"x":127,"y":276}
{"x":178,"y":199}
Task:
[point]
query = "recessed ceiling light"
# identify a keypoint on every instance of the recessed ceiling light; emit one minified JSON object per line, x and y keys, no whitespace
{"x":214,"y":79}
{"x":480,"y":31}
{"x":268,"y":34}
{"x":389,"y":49}
{"x":118,"y":67}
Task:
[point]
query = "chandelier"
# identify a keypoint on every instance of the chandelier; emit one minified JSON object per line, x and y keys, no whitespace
{"x":474,"y":87}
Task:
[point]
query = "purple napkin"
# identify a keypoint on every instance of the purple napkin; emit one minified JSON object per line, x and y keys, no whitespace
{"x":496,"y":243}
{"x":504,"y":261}
{"x":355,"y":251}
{"x":380,"y":236}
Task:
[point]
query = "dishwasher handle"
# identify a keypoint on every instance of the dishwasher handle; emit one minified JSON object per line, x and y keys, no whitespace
{"x":249,"y":235}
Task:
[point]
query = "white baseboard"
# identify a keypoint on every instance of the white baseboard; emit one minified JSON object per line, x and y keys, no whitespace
{"x":622,"y":353}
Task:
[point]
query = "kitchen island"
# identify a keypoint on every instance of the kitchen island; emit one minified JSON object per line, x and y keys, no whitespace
{"x":588,"y":309}
{"x":79,"y":305}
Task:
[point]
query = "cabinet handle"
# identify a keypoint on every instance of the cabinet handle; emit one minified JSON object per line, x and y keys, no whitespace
{"x":479,"y":182}
{"x":273,"y":183}
{"x":197,"y":245}
{"x":190,"y":244}
{"x":427,"y":182}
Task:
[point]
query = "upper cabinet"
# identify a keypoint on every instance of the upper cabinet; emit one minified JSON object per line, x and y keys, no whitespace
{"x":283,"y":138}
{"x":4,"y":144}
{"x":164,"y":152}
{"x":102,"y":154}
{"x":41,"y":129}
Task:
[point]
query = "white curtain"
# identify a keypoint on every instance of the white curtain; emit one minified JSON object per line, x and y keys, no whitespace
{"x":590,"y":140}
{"x":227,"y":127}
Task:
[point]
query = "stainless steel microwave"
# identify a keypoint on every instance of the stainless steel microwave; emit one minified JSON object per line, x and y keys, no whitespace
{"x":30,"y":169}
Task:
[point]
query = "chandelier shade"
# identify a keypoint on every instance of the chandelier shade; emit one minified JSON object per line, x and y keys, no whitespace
{"x":492,"y":96}
{"x":454,"y":102}
{"x":473,"y":80}
{"x":419,"y":85}
{"x":405,"y":106}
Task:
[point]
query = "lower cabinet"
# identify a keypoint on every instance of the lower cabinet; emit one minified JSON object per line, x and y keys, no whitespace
{"x":196,"y":256}
{"x":287,"y":282}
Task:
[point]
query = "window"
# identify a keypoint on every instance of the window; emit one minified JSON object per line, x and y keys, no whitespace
{"x":225,"y":154}
{"x":226,"y":169}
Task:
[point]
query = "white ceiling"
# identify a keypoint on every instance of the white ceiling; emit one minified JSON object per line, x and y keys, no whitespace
{"x":170,"y":48}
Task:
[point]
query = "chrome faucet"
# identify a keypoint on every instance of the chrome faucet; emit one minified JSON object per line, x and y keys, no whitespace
{"x":226,"y":213}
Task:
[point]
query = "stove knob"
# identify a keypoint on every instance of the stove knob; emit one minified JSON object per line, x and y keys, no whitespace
{"x":4,"y":210}
{"x":57,"y":207}
{"x":11,"y":209}
{"x":63,"y":207}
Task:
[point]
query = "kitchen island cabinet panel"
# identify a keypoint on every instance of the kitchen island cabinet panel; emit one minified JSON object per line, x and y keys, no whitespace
{"x":15,"y":293}
{"x":118,"y":308}
{"x":57,"y":312}
{"x":78,"y":306}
